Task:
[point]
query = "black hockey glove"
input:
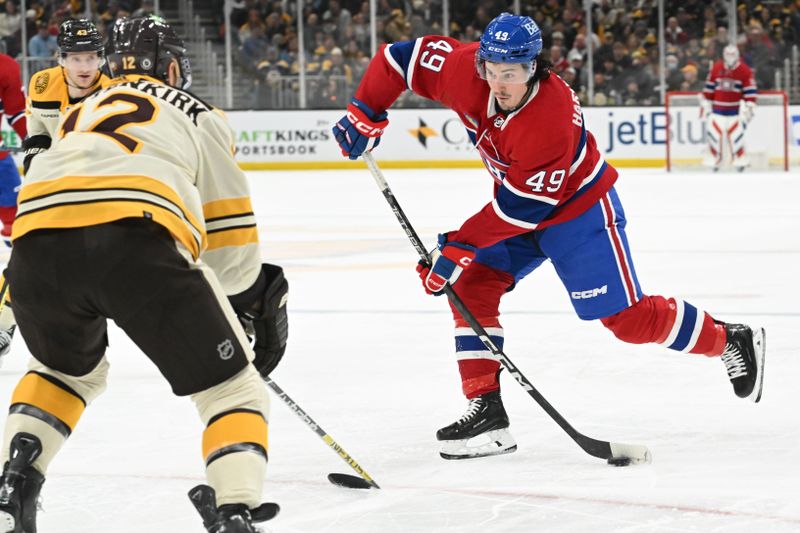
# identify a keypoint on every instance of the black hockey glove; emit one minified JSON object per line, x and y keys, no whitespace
{"x":33,"y":146}
{"x":262,"y":311}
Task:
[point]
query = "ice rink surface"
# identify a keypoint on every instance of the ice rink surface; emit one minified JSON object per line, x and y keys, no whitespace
{"x":371,"y":359}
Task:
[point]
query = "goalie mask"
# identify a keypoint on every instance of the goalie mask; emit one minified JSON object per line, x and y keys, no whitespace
{"x":147,"y":45}
{"x":730,"y":55}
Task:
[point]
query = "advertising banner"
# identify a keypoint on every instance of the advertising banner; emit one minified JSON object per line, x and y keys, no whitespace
{"x":628,"y":136}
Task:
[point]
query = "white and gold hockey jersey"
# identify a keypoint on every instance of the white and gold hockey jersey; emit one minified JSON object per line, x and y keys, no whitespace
{"x":140,"y":148}
{"x":48,"y":99}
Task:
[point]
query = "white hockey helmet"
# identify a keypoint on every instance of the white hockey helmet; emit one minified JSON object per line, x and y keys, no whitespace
{"x":730,"y":55}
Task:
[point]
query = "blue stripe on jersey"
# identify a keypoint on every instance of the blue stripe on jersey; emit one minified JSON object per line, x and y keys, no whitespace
{"x":401,"y":52}
{"x":473,"y":343}
{"x":582,"y":143}
{"x":728,"y":112}
{"x":748,"y":92}
{"x":521,"y":208}
{"x":687,"y":327}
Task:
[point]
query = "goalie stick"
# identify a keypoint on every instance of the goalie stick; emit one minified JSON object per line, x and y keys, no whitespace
{"x":615,"y":453}
{"x":343,"y":480}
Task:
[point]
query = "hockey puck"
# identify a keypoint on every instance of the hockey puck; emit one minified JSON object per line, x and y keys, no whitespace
{"x":619,"y":461}
{"x":351,"y":482}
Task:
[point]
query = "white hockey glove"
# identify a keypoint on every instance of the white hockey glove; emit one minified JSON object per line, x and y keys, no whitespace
{"x":748,"y":111}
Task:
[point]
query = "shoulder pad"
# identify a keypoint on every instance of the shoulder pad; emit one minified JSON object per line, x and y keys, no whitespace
{"x":48,"y":85}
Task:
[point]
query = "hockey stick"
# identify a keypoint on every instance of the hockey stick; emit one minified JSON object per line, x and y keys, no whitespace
{"x":343,"y":480}
{"x":615,"y":453}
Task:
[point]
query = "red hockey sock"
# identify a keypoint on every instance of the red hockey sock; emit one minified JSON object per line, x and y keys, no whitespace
{"x":480,"y":288}
{"x":673,"y":323}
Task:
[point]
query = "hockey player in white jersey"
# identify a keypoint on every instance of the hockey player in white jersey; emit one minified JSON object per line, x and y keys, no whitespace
{"x":139,"y":213}
{"x":51,"y":93}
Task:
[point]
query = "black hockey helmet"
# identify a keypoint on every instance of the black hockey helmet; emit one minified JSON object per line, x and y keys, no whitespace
{"x":79,"y":35}
{"x":147,"y":45}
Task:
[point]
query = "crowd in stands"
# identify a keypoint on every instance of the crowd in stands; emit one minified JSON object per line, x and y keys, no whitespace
{"x":624,"y":39}
{"x":43,"y":18}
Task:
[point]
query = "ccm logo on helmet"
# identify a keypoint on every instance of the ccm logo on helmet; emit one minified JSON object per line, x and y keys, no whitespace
{"x":591,"y":293}
{"x":366,"y":129}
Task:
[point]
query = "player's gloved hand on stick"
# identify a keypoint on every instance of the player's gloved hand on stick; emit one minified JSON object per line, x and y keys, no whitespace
{"x":262,"y":311}
{"x":448,"y":261}
{"x":360,"y":129}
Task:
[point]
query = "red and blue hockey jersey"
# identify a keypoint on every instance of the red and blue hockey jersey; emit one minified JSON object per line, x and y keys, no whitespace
{"x":545,"y":163}
{"x":12,"y":99}
{"x":726,"y":87}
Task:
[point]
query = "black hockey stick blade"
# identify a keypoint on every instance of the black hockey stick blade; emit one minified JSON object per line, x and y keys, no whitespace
{"x":351,"y":482}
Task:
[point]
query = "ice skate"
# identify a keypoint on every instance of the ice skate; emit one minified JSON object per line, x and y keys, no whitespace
{"x":231,"y":518}
{"x":741,"y":163}
{"x":480,"y":432}
{"x":744,"y":360}
{"x":20,"y":485}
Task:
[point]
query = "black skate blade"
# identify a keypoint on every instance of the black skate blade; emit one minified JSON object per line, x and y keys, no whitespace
{"x":265,"y":511}
{"x":351,"y":482}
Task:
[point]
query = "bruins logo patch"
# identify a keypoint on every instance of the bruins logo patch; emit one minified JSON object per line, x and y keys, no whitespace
{"x":41,"y":82}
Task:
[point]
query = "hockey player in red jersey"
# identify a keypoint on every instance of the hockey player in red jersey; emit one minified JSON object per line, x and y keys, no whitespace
{"x":729,"y":102}
{"x":12,"y":103}
{"x":554,"y":198}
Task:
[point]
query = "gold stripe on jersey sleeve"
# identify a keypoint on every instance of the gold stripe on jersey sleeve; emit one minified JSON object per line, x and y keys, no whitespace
{"x":35,"y":390}
{"x":230,"y":222}
{"x":227,"y":207}
{"x":232,"y":237}
{"x":104,"y":199}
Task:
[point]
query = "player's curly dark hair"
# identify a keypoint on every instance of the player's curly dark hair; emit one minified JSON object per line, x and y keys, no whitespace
{"x":543,"y":67}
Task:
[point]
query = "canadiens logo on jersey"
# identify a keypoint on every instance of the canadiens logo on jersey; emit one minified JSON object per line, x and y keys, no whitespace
{"x":499,"y":121}
{"x":41,"y":82}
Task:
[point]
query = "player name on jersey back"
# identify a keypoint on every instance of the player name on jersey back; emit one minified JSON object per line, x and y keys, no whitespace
{"x":191,"y":106}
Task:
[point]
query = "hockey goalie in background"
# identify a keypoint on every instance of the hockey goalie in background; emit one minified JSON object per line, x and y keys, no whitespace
{"x":729,"y":103}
